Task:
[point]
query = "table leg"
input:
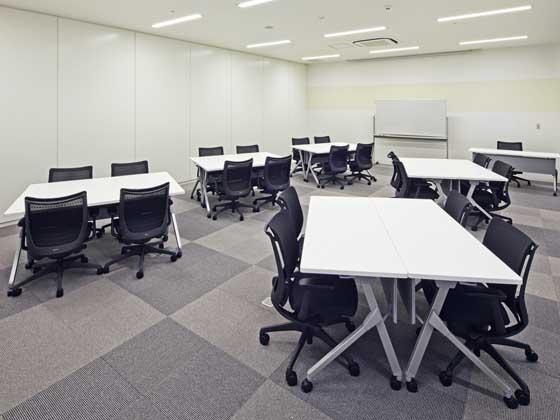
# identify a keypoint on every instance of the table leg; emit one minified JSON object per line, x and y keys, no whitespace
{"x":373,"y":319}
{"x":310,"y":169}
{"x":204,"y":190}
{"x":555,"y":180}
{"x":196,"y":183}
{"x":442,"y":195}
{"x":304,"y":165}
{"x":474,"y":203}
{"x":390,"y":292}
{"x":433,"y":321}
{"x":176,"y":232}
{"x":15,"y":264}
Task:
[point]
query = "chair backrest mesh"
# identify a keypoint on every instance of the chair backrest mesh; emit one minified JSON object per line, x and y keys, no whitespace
{"x":481,"y":160}
{"x":289,"y":201}
{"x":338,"y":158}
{"x":501,"y":188}
{"x":70,"y":174}
{"x":210,"y":151}
{"x":130,"y":168}
{"x":458,"y":206}
{"x":322,"y":139}
{"x":237,"y":178}
{"x":364,"y":154}
{"x":254,"y":148}
{"x":277,"y":173}
{"x":395,"y":182}
{"x":510,"y":145}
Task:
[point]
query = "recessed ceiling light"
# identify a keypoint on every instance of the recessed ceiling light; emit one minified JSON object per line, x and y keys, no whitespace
{"x":269,"y":44}
{"x":487,"y":13}
{"x":177,"y":20}
{"x":251,"y":3}
{"x":390,"y":50}
{"x":320,"y":57}
{"x":486,"y":41}
{"x":356,"y":31}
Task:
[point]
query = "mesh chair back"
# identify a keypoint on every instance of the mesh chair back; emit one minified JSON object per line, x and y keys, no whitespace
{"x":322,"y":139}
{"x":364,"y":154}
{"x":144,"y":213}
{"x":281,"y":232}
{"x":458,"y":206}
{"x":516,"y":250}
{"x":510,"y":145}
{"x":298,"y":142}
{"x":70,"y":174}
{"x":395,"y":182}
{"x":254,"y":148}
{"x":130,"y":168}
{"x":210,"y":151}
{"x":338,"y":159}
{"x":277,"y":173}
{"x":481,"y":160}
{"x":403,"y":179}
{"x":289,"y":201}
{"x":237,"y":178}
{"x":56,"y":227}
{"x":501,"y":189}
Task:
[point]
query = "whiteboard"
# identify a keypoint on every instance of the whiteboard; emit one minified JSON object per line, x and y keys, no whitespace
{"x":411,"y":118}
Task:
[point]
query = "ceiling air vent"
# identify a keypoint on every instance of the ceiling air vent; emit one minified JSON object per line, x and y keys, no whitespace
{"x":376,"y":42}
{"x":341,"y":46}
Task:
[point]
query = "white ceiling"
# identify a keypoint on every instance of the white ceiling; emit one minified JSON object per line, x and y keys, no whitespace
{"x":304,"y":22}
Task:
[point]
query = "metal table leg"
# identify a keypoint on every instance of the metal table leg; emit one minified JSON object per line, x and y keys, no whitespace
{"x":372,"y":320}
{"x":474,"y":203}
{"x":176,"y":232}
{"x":555,"y":177}
{"x":204,"y":191}
{"x":433,"y":321}
{"x":15,"y":264}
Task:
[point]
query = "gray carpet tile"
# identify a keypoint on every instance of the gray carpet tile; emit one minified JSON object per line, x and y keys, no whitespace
{"x":194,"y":224}
{"x":141,"y":409}
{"x":94,"y":392}
{"x":543,"y":313}
{"x":208,"y":385}
{"x":151,"y":356}
{"x":10,"y":306}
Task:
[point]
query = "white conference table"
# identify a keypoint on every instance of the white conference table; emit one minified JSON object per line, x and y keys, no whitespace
{"x":100,"y":192}
{"x":438,"y":170}
{"x":526,"y":161}
{"x":412,"y":239}
{"x":215,"y":164}
{"x":308,"y":151}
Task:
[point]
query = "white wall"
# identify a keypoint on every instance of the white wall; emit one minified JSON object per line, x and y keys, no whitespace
{"x":75,"y":93}
{"x":492,"y":94}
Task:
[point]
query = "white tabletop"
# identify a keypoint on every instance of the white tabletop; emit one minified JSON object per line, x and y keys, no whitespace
{"x":432,"y":245}
{"x":216,"y":163}
{"x":520,"y":153}
{"x":100,"y":191}
{"x":323,"y":148}
{"x":439,"y":169}
{"x":345,"y":236}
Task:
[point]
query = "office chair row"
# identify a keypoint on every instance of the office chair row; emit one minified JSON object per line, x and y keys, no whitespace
{"x":337,"y":163}
{"x":239,"y":179}
{"x":57,"y":229}
{"x":493,"y":197}
{"x":475,"y":313}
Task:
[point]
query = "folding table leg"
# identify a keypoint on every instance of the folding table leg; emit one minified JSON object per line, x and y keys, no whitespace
{"x":555,"y":181}
{"x":305,"y":166}
{"x":204,"y":189}
{"x":373,"y":319}
{"x":390,"y":292}
{"x":176,"y":231}
{"x":15,"y":264}
{"x":474,"y":203}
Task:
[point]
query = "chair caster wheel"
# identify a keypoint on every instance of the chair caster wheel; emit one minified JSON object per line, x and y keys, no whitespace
{"x":318,"y":186}
{"x":100,"y":234}
{"x":139,"y":275}
{"x":101,"y":270}
{"x":306,"y":386}
{"x":412,"y":385}
{"x":354,"y":369}
{"x":350,"y":326}
{"x":445,"y":378}
{"x":291,"y":378}
{"x":214,"y":217}
{"x":179,"y":254}
{"x":369,"y":183}
{"x":531,"y":356}
{"x":523,"y":397}
{"x":241,"y":218}
{"x":173,"y":258}
{"x":59,"y":293}
{"x":209,"y":216}
{"x":511,"y":402}
{"x":14,"y":292}
{"x":264,"y":339}
{"x":395,"y":383}
{"x":84,"y":260}
{"x":342,"y":187}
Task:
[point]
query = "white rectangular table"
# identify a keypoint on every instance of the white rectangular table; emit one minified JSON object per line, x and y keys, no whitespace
{"x":100,"y":192}
{"x":308,"y":151}
{"x":437,"y":170}
{"x":215,"y":164}
{"x":526,"y":161}
{"x":412,"y":239}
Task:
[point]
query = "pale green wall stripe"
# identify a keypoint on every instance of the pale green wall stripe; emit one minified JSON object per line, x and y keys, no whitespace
{"x":539,"y":95}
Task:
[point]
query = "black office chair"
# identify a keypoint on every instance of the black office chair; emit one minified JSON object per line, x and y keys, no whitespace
{"x":480,"y":314}
{"x":316,"y":301}
{"x":56,"y":228}
{"x":213,"y":180}
{"x":481,"y":160}
{"x":493,"y":197}
{"x":336,"y":165}
{"x":254,"y":148}
{"x":237,"y":182}
{"x":142,"y":226}
{"x":276,"y":179}
{"x":413,"y":188}
{"x":321,"y":139}
{"x":289,"y":201}
{"x":517,"y":146}
{"x":361,"y":164}
{"x":70,"y":174}
{"x":296,"y":155}
{"x":458,"y":206}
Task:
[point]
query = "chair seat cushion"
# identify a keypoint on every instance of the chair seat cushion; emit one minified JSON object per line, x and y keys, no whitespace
{"x":323,"y":299}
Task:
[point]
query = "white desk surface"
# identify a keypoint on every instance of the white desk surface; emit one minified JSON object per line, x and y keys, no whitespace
{"x":100,"y":191}
{"x":323,"y":148}
{"x":216,"y":163}
{"x":524,"y":153}
{"x":439,"y":169}
{"x":433,"y":246}
{"x":345,"y":236}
